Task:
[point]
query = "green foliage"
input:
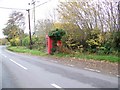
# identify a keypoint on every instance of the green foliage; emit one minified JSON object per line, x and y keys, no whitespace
{"x":15,"y":41}
{"x":116,"y":41}
{"x":37,"y":42}
{"x":94,"y":39}
{"x":56,"y":34}
{"x":109,"y":58}
{"x":87,"y":26}
{"x":11,"y":31}
{"x":20,"y":49}
{"x":14,"y":28}
{"x":3,"y":41}
{"x":26,"y":41}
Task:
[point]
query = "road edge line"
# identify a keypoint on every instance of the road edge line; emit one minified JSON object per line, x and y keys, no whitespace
{"x":18,"y":64}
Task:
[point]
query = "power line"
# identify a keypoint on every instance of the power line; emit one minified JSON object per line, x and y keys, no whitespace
{"x":12,"y":8}
{"x":34,"y":7}
{"x":41,"y":4}
{"x":24,"y":9}
{"x":33,"y":3}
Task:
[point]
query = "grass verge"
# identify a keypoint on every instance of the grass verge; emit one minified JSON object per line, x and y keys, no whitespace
{"x":26,"y":50}
{"x":110,"y":58}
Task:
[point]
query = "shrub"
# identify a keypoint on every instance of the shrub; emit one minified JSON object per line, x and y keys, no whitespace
{"x":15,"y":41}
{"x":26,"y":41}
{"x":37,"y":42}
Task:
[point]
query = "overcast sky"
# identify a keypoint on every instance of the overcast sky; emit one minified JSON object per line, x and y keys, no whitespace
{"x":41,"y":11}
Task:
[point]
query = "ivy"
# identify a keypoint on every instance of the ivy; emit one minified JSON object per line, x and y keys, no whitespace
{"x":56,"y":34}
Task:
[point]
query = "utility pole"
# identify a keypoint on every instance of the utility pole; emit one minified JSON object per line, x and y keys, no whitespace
{"x":29,"y":29}
{"x":33,"y":3}
{"x":119,"y":16}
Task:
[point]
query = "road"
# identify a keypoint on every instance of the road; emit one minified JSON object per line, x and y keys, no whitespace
{"x":25,"y":71}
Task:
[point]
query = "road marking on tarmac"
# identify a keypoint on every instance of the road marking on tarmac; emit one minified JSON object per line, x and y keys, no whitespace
{"x":3,"y":55}
{"x":18,"y":64}
{"x":70,"y":65}
{"x":92,"y":70}
{"x":56,"y":86}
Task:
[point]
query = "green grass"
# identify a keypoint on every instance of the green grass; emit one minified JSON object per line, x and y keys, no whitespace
{"x":110,"y":58}
{"x":26,"y":50}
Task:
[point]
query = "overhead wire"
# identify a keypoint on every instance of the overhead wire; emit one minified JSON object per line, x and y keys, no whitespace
{"x":24,"y":9}
{"x":12,"y":8}
{"x":42,"y":4}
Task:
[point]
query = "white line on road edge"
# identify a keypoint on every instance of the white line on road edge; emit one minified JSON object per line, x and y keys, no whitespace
{"x":4,"y":55}
{"x":56,"y":86}
{"x":118,"y":75}
{"x":9,"y":52}
{"x":18,"y":64}
{"x":54,"y":61}
{"x":92,"y":70}
{"x":70,"y":65}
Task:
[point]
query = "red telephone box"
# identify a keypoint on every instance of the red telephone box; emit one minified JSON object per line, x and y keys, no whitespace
{"x":49,"y":44}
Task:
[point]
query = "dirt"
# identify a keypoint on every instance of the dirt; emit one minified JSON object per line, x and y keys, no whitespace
{"x":104,"y":67}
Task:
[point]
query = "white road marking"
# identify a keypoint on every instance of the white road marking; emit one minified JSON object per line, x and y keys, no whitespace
{"x":18,"y":64}
{"x":54,"y":61}
{"x":9,"y":51}
{"x":56,"y":86}
{"x":92,"y":70}
{"x":97,"y":70}
{"x":118,"y":75}
{"x":70,"y":65}
{"x":3,"y":55}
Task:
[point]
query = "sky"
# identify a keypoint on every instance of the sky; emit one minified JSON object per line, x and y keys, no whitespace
{"x":42,"y":11}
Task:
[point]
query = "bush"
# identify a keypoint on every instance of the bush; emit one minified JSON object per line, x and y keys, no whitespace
{"x":37,"y":42}
{"x":15,"y":42}
{"x":56,"y":34}
{"x":26,"y":41}
{"x":101,"y":50}
{"x":116,"y":41}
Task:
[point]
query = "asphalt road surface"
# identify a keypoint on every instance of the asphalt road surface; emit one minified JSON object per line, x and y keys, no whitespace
{"x":25,"y":71}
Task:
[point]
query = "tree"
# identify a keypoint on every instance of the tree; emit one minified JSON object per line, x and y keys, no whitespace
{"x":87,"y":16}
{"x":43,"y":26}
{"x":15,"y":26}
{"x":17,"y":18}
{"x":3,"y":41}
{"x":11,"y":31}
